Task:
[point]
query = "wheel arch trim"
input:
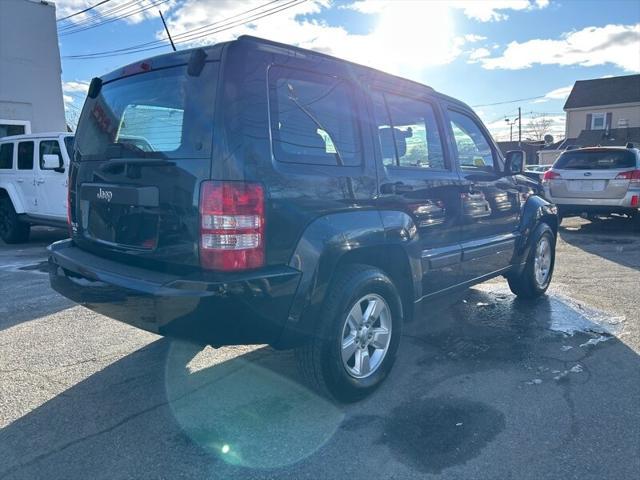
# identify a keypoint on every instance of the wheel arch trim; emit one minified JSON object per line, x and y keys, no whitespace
{"x":349,"y":237}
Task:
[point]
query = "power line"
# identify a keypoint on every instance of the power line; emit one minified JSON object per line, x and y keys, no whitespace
{"x":190,"y":36}
{"x":83,"y":11}
{"x":508,"y":101}
{"x":97,"y":15}
{"x":107,"y":20}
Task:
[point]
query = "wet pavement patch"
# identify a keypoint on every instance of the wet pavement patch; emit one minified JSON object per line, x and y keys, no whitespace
{"x":432,"y":434}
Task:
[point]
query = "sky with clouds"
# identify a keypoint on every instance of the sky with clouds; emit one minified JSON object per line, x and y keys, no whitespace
{"x":496,"y":55}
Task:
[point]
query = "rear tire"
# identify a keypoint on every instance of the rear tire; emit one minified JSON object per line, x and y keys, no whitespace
{"x":535,"y":277}
{"x":351,"y":354}
{"x":12,"y":230}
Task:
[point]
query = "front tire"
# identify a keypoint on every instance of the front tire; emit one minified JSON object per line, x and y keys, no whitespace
{"x":535,"y":277}
{"x":355,"y":345}
{"x":12,"y":230}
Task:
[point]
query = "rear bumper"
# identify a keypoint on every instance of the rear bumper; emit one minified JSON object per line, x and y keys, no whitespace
{"x":601,"y":204}
{"x":232,"y":309}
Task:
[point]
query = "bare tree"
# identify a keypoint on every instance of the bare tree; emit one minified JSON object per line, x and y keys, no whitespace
{"x":538,"y":126}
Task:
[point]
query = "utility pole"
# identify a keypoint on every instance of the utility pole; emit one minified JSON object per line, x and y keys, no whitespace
{"x":519,"y":126}
{"x":510,"y":122}
{"x":167,"y":30}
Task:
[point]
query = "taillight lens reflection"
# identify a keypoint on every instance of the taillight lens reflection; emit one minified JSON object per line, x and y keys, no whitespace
{"x":550,"y":175}
{"x":231,"y":225}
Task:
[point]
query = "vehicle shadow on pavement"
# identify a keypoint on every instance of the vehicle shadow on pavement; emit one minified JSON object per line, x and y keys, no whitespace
{"x":487,"y":390}
{"x":612,"y":238}
{"x":25,"y":293}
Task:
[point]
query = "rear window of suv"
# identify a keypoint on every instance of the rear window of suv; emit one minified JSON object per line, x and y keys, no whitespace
{"x":313,"y":119}
{"x":596,"y":160}
{"x":158,"y":114}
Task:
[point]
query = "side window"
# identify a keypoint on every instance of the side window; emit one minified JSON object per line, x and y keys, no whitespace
{"x":313,"y":119}
{"x":6,"y":156}
{"x":474,"y":150}
{"x":25,"y":156}
{"x":49,"y":147}
{"x":408,"y":132}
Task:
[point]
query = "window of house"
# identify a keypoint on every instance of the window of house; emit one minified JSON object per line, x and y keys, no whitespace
{"x":6,"y":156}
{"x":313,"y":119}
{"x":25,"y":155}
{"x":474,"y":149}
{"x":408,"y":132}
{"x":49,"y":147}
{"x":597,"y":121}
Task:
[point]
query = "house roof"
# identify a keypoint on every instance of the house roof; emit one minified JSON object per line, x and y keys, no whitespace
{"x":616,"y":136}
{"x":604,"y":91}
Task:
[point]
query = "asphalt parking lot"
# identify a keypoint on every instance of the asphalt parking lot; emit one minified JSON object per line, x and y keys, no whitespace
{"x":485,"y":387}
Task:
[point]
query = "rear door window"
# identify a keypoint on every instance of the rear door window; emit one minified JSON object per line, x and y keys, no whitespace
{"x":474,"y":150}
{"x":25,"y":155}
{"x":598,"y":160}
{"x":408,"y":132}
{"x":6,"y":156}
{"x":313,"y":119}
{"x":49,"y":147}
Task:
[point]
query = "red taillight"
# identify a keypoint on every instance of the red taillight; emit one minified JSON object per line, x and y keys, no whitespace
{"x":550,"y":175}
{"x":631,"y":175}
{"x":634,"y":201}
{"x":231,"y":225}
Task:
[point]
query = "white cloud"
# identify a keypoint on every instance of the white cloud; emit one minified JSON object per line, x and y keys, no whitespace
{"x":557,"y":94}
{"x":130,"y":12}
{"x":494,"y":10}
{"x":74,"y":92}
{"x":426,"y":37}
{"x":614,"y":44}
{"x":75,"y":86}
{"x":477,"y":54}
{"x":472,"y":38}
{"x":480,"y":10}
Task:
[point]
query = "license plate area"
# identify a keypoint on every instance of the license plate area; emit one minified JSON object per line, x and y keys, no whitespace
{"x":123,"y":216}
{"x":122,"y":225}
{"x":586,"y":185}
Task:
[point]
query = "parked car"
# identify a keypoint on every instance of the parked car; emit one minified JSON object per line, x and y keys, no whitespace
{"x":293,"y":199}
{"x":536,"y":172}
{"x":596,"y":181}
{"x":33,"y":183}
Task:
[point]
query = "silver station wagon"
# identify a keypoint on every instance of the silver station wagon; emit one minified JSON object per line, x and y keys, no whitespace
{"x":596,"y":181}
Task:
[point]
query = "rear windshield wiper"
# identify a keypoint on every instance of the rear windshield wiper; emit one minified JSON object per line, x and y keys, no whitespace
{"x":294,"y":98}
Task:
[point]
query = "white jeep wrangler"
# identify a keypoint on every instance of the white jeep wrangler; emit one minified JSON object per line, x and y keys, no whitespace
{"x":33,"y":183}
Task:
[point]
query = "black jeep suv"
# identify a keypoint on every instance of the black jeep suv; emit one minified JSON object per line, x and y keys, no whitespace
{"x":252,"y":192}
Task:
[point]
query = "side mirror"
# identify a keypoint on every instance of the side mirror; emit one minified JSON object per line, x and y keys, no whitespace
{"x":514,"y":163}
{"x":52,"y":162}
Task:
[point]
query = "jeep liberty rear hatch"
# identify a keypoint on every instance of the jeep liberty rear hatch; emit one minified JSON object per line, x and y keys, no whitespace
{"x":143,"y":147}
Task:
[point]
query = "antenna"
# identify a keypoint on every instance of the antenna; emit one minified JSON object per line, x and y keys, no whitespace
{"x":167,"y":30}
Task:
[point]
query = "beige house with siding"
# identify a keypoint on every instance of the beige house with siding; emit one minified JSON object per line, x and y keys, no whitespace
{"x":602,"y":111}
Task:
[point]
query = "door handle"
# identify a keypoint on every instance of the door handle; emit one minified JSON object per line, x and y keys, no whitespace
{"x":397,"y":187}
{"x":40,"y":181}
{"x":20,"y":180}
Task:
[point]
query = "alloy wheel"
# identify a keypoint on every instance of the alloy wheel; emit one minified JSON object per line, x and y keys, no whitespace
{"x":366,"y":336}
